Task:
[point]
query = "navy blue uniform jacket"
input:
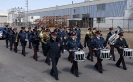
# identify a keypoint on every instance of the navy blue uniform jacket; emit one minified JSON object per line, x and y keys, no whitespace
{"x":54,"y":48}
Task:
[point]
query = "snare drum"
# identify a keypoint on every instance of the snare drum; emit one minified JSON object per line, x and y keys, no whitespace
{"x":105,"y":54}
{"x":127,"y":52}
{"x":79,"y":56}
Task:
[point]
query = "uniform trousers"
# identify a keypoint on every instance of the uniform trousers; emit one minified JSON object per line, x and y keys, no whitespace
{"x":74,"y":68}
{"x":11,"y":44}
{"x":98,"y":65}
{"x":30,"y":44}
{"x":112,"y":51}
{"x":6,"y":40}
{"x":54,"y":70}
{"x":35,"y":52}
{"x":15,"y":47}
{"x":90,"y":54}
{"x":121,"y":59}
{"x":23,"y":44}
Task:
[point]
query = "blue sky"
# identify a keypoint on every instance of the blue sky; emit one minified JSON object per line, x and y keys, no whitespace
{"x":33,"y":4}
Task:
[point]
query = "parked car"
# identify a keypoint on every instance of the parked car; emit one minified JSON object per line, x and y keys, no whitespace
{"x":1,"y":32}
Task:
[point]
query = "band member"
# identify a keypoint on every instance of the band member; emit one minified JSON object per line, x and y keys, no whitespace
{"x":10,"y":37}
{"x":78,"y":32}
{"x":88,"y":37}
{"x":35,"y":43}
{"x":64,"y":43}
{"x":72,"y":45}
{"x":65,"y":30}
{"x":69,"y":34}
{"x":111,"y":46}
{"x":15,"y":39}
{"x":42,"y":31}
{"x":23,"y":36}
{"x":97,"y":44}
{"x":38,"y":32}
{"x":69,"y":38}
{"x":54,"y":53}
{"x":5,"y":33}
{"x":61,"y":35}
{"x":120,"y":44}
{"x":45,"y":47}
{"x":29,"y":35}
{"x":94,"y":30}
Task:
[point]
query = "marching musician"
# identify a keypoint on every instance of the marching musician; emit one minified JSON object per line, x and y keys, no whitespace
{"x":94,"y":30}
{"x":78,"y":32}
{"x":35,"y":43}
{"x":111,"y":46}
{"x":5,"y":34}
{"x":72,"y":45}
{"x":120,"y":44}
{"x":15,"y":39}
{"x":46,"y":37}
{"x":23,"y":36}
{"x":42,"y":30}
{"x":54,"y":52}
{"x":29,"y":35}
{"x":97,"y":44}
{"x":88,"y":37}
{"x":69,"y":38}
{"x":61,"y":35}
{"x":38,"y":32}
{"x":10,"y":37}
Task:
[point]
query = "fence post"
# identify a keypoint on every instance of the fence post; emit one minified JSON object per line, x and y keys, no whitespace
{"x":128,"y":25}
{"x":112,"y":23}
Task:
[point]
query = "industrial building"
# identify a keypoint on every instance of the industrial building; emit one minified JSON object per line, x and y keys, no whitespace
{"x":3,"y":18}
{"x":97,"y":13}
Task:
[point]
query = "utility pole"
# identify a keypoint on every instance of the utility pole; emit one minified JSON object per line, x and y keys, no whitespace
{"x":27,"y":13}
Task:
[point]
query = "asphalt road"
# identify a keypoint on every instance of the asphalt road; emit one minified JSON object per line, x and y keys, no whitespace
{"x":16,"y":68}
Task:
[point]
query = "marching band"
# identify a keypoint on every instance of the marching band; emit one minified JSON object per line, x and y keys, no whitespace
{"x":56,"y":42}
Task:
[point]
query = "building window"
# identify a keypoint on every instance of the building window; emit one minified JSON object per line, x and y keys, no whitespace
{"x":76,"y":16}
{"x":101,"y":20}
{"x":31,"y":17}
{"x":101,"y":7}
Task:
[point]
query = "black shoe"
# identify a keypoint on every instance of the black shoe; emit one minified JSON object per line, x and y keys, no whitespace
{"x":125,"y":68}
{"x":100,"y":72}
{"x":36,"y":59}
{"x":57,"y":78}
{"x":51,"y":74}
{"x":96,"y":68}
{"x":117,"y":65}
{"x":113,"y":59}
{"x":72,"y":72}
{"x":88,"y":58}
{"x":77,"y":75}
{"x":92,"y":61}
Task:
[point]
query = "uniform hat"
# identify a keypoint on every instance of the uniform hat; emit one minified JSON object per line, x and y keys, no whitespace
{"x":34,"y":30}
{"x":14,"y":28}
{"x":47,"y":30}
{"x":89,"y":28}
{"x":53,"y":33}
{"x":35,"y":27}
{"x":6,"y":25}
{"x":70,"y":29}
{"x":111,"y":28}
{"x":94,"y":28}
{"x":55,"y":30}
{"x":120,"y":34}
{"x":73,"y":34}
{"x":29,"y":28}
{"x":22,"y":27}
{"x":98,"y":32}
